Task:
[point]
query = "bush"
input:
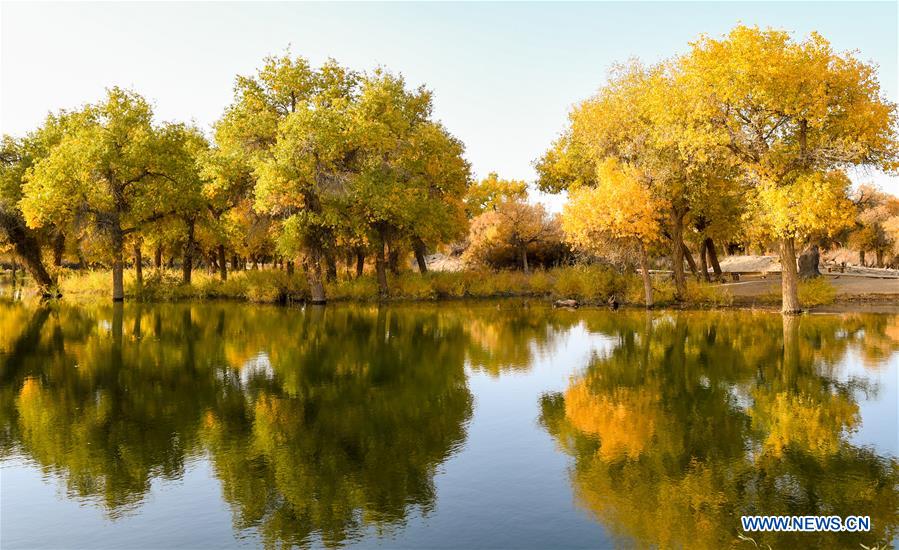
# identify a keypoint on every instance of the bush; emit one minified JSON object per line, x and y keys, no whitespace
{"x":540,"y":284}
{"x":816,"y":292}
{"x":593,"y":283}
{"x":706,"y":294}
{"x":449,"y":284}
{"x":812,"y":292}
{"x":88,"y":283}
{"x":360,"y":290}
{"x":412,"y":286}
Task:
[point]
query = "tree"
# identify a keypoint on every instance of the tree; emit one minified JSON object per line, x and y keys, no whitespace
{"x":620,"y":208}
{"x":871,"y":230}
{"x":630,"y":119}
{"x":440,"y":177}
{"x":15,"y":160}
{"x":185,"y":148}
{"x":792,"y":114}
{"x":514,"y":225}
{"x":109,"y":172}
{"x":289,"y":122}
{"x":227,"y":184}
{"x":491,"y":191}
{"x":411,"y":175}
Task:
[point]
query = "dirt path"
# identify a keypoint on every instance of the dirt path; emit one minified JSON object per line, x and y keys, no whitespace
{"x":846,"y":286}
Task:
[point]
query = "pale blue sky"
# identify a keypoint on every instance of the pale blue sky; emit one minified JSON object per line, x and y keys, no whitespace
{"x":504,"y":74}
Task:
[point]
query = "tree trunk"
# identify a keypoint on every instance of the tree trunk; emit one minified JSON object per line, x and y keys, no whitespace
{"x":808,"y":263}
{"x":255,"y":262}
{"x":381,"y":267}
{"x":138,"y":265}
{"x":647,"y":282}
{"x":223,"y":263}
{"x":691,"y":263}
{"x":157,"y":257}
{"x":703,"y":264}
{"x":677,"y":254}
{"x":419,"y":247}
{"x":393,"y":258}
{"x":331,"y":264}
{"x":523,"y":257}
{"x":713,"y":257}
{"x":878,"y":254}
{"x":82,"y":261}
{"x":27,"y":247}
{"x":289,"y":267}
{"x":235,"y":263}
{"x":187,"y":263}
{"x":360,"y":263}
{"x":861,"y":258}
{"x":314,"y":276}
{"x":118,"y":267}
{"x":59,"y":249}
{"x":789,"y":278}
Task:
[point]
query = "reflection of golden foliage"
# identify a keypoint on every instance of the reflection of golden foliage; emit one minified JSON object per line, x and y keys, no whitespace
{"x":892,"y":330}
{"x":624,"y":421}
{"x":810,"y":424}
{"x":12,"y":321}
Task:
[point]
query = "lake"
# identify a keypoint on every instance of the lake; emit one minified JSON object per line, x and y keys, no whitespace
{"x":496,"y":425}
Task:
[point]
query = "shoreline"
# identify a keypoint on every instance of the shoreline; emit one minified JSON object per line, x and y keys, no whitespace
{"x":864,"y":303}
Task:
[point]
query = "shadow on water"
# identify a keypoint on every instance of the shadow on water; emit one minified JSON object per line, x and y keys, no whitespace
{"x":325,"y":425}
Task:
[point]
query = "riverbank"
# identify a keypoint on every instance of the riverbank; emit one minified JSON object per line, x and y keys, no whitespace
{"x":588,"y":285}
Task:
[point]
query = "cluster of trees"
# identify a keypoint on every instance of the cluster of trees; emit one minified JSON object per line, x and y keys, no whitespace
{"x":743,"y":140}
{"x":876,"y":228}
{"x":506,"y":230}
{"x":317,"y":163}
{"x":746,"y":138}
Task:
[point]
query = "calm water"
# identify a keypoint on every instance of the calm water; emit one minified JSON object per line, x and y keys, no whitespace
{"x":491,"y":425}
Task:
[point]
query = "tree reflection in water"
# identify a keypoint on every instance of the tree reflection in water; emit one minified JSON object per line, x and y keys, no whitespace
{"x":695,"y":419}
{"x":325,"y":425}
{"x":318,"y":422}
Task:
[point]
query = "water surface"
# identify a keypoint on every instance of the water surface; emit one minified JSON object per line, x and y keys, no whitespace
{"x":437,"y":426}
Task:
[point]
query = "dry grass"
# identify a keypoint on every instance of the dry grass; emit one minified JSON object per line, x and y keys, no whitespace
{"x":589,"y":284}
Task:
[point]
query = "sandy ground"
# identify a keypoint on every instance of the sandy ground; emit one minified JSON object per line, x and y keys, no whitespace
{"x":846,"y":285}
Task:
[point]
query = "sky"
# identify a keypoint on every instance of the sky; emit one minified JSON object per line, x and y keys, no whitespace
{"x":504,"y":75}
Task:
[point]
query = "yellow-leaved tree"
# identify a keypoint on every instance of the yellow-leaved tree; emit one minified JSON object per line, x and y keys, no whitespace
{"x":636,"y":118}
{"x":793,"y":114}
{"x":620,"y":208}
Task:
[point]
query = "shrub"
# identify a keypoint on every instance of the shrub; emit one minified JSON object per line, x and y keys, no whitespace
{"x":594,"y":283}
{"x":540,"y":284}
{"x":706,"y":294}
{"x":816,"y":292}
{"x":361,"y":289}
{"x":449,"y":284}
{"x":413,"y":286}
{"x":89,"y":282}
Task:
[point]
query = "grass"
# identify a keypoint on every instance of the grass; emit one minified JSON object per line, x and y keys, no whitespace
{"x":816,"y":292}
{"x":812,"y":292}
{"x":588,"y":284}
